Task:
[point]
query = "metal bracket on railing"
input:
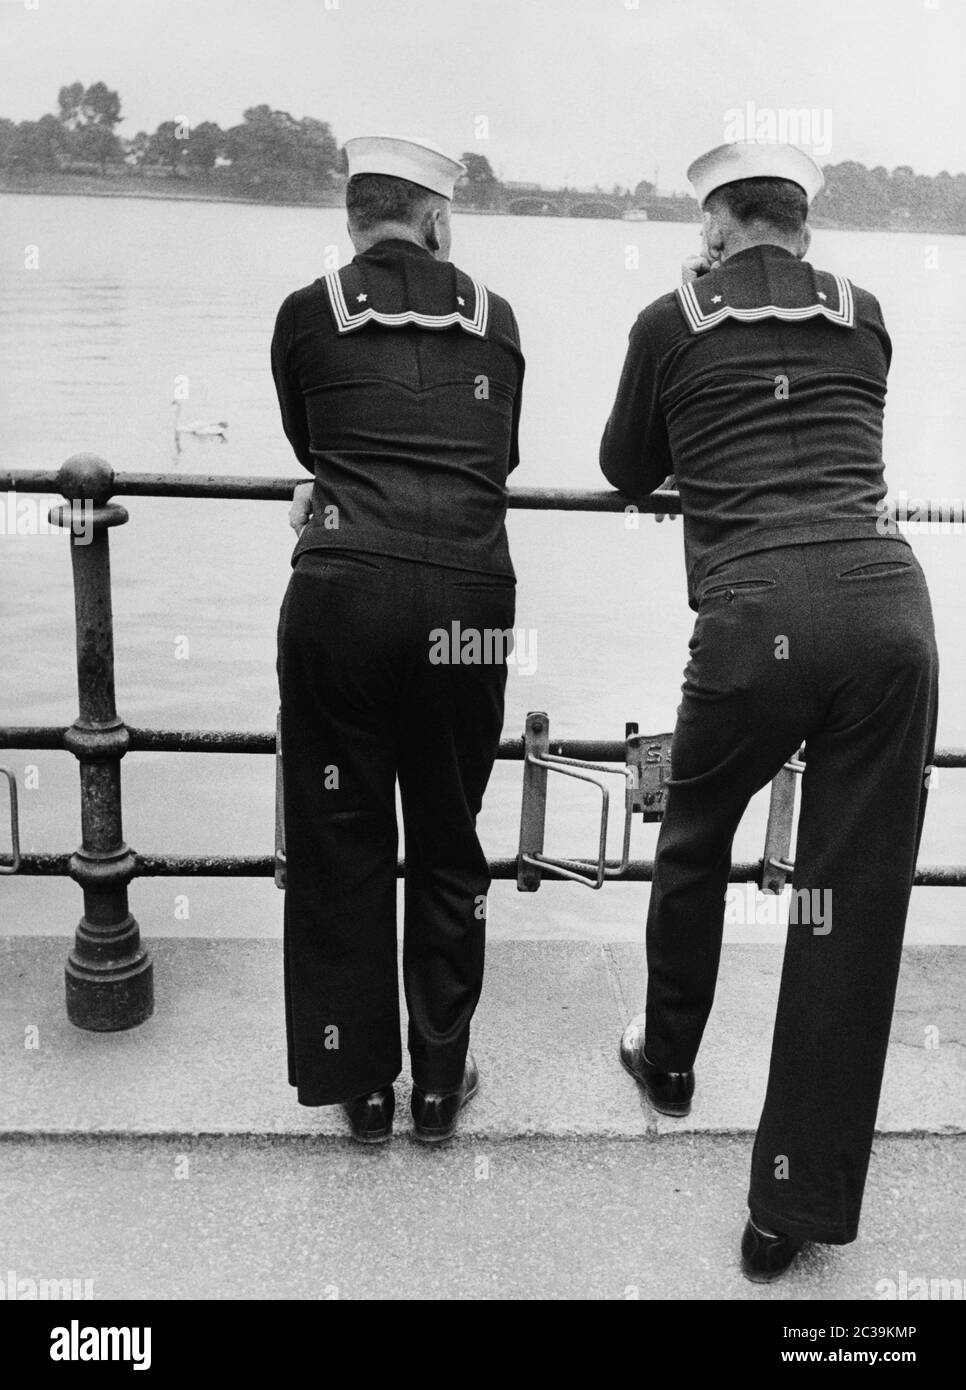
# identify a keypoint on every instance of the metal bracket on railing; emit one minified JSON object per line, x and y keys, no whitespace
{"x":14,"y":864}
{"x":647,"y":766}
{"x":279,"y":808}
{"x":776,"y":864}
{"x":648,"y":771}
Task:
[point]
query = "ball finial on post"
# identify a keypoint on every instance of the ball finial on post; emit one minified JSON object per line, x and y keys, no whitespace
{"x":86,"y":476}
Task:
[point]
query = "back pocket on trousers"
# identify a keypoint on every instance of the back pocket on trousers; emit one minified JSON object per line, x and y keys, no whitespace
{"x":733,"y":587}
{"x":876,"y":569}
{"x":315,"y":561}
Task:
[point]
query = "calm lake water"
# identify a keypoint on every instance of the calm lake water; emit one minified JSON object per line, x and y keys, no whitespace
{"x":130,"y":294}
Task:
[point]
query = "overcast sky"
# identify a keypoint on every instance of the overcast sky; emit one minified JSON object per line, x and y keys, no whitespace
{"x":583,"y":91}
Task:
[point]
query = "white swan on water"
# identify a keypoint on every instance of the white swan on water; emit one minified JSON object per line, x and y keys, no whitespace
{"x":199,"y":429}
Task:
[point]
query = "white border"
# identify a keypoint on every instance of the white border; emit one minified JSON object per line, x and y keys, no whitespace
{"x":347,"y":321}
{"x":700,"y":322}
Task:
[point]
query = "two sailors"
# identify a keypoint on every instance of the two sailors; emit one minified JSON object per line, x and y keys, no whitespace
{"x":760,"y":385}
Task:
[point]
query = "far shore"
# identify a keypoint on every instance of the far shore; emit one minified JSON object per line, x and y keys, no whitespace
{"x":195,"y":196}
{"x":185,"y":191}
{"x":74,"y":186}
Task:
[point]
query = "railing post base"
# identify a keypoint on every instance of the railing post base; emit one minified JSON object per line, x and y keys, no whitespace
{"x":110,"y":995}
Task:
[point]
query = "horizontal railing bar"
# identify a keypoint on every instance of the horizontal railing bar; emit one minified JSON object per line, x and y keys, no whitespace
{"x":200,"y":741}
{"x":601,"y":750}
{"x":263,"y":866}
{"x":33,"y":736}
{"x":241,"y":487}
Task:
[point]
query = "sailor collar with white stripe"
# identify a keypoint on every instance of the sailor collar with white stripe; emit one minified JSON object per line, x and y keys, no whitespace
{"x":350,"y":292}
{"x":712,"y":299}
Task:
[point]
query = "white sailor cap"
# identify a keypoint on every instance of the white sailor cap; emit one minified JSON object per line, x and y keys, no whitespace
{"x":754,"y":159}
{"x":404,"y":157}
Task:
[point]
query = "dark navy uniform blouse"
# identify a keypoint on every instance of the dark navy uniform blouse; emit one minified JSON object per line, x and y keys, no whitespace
{"x":399,"y":380}
{"x":761,"y":387}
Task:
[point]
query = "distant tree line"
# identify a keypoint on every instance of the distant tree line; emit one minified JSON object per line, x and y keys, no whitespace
{"x":855,"y":196}
{"x":274,"y":156}
{"x":269,"y":155}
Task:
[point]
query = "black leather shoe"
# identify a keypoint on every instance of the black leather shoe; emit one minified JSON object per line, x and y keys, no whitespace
{"x":765,"y":1255}
{"x":668,"y":1091}
{"x":435,"y":1112}
{"x":370,"y":1117}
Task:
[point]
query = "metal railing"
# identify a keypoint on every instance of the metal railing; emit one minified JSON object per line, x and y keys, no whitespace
{"x":109,"y":973}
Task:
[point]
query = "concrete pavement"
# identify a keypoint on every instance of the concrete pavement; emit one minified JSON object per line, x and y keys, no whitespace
{"x":172,"y":1161}
{"x":212,"y":1059}
{"x":316,"y":1218}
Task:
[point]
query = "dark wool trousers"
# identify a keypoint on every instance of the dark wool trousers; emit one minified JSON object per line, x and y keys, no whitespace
{"x":832,"y":644}
{"x":362,"y":707}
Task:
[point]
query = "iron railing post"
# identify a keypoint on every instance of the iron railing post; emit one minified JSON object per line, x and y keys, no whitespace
{"x":110,"y":979}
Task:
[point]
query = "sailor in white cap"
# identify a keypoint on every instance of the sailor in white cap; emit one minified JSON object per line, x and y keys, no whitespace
{"x":754,"y":159}
{"x":399,"y":380}
{"x":760,"y":384}
{"x":404,"y":157}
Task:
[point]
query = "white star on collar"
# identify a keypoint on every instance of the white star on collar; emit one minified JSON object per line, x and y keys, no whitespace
{"x":822,"y":294}
{"x":361,"y":298}
{"x":716,"y":299}
{"x":460,"y":299}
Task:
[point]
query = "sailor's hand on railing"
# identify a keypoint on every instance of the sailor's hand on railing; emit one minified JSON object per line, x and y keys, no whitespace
{"x":669,"y":485}
{"x":300,"y":512}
